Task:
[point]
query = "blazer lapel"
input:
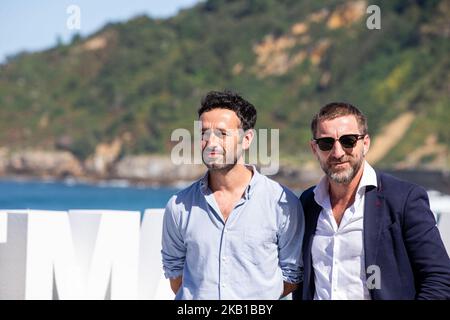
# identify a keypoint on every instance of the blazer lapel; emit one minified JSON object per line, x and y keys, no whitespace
{"x":374,"y":202}
{"x":311,"y":217}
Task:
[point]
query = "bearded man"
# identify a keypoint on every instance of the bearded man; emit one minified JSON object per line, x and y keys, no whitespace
{"x":234,"y":233}
{"x":368,"y":235}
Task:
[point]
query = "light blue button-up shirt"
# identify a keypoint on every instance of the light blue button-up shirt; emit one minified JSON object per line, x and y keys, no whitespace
{"x":248,"y":256}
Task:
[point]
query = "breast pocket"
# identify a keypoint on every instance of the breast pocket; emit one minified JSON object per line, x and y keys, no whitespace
{"x":391,"y":228}
{"x":259,"y":245}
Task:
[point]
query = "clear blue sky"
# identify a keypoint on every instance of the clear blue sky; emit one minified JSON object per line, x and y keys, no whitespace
{"x":36,"y":24}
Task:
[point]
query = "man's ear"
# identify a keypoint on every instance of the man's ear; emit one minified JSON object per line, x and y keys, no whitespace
{"x":247,"y":138}
{"x":312,"y":145}
{"x":366,"y":144}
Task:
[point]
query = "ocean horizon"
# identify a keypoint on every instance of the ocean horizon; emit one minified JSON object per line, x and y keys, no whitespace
{"x":65,"y":195}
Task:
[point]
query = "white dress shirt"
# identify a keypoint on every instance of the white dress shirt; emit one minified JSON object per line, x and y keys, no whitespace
{"x":338,"y":251}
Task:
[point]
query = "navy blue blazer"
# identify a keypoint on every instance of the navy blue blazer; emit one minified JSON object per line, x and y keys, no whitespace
{"x":400,"y":237}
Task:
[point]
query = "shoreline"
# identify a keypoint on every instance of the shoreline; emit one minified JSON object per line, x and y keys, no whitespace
{"x":97,"y":182}
{"x":438,"y":180}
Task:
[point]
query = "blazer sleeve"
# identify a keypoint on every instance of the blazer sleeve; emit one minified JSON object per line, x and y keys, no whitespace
{"x":428,"y":256}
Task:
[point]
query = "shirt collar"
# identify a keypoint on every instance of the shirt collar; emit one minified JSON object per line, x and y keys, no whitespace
{"x":248,"y":191}
{"x":369,"y":178}
{"x":321,"y":192}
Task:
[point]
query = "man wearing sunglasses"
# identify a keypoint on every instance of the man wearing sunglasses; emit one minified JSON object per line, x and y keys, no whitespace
{"x":367,"y":235}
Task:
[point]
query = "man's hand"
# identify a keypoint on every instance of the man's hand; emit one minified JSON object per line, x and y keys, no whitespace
{"x":288,"y":288}
{"x":175,"y":284}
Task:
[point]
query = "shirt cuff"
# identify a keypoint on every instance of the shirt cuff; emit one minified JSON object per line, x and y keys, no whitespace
{"x":292,"y":277}
{"x":170,"y":274}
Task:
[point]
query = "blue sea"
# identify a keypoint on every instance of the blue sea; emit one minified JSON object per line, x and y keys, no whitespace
{"x":65,"y":196}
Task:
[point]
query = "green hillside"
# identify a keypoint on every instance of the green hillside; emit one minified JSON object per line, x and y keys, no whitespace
{"x":139,"y":80}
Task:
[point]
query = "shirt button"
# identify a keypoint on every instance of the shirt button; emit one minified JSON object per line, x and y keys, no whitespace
{"x":224,"y":258}
{"x":223,"y":285}
{"x":225,"y":230}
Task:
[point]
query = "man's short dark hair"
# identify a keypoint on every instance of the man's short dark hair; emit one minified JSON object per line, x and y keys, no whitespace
{"x":245,"y":111}
{"x":335,"y":110}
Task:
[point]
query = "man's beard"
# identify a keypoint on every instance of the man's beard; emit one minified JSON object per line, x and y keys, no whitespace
{"x":342,"y":176}
{"x":225,"y":161}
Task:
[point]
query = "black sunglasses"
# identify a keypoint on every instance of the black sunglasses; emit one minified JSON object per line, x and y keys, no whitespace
{"x":346,"y":141}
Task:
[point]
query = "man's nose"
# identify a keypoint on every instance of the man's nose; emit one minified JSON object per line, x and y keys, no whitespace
{"x":211,"y":139}
{"x":337,"y":151}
